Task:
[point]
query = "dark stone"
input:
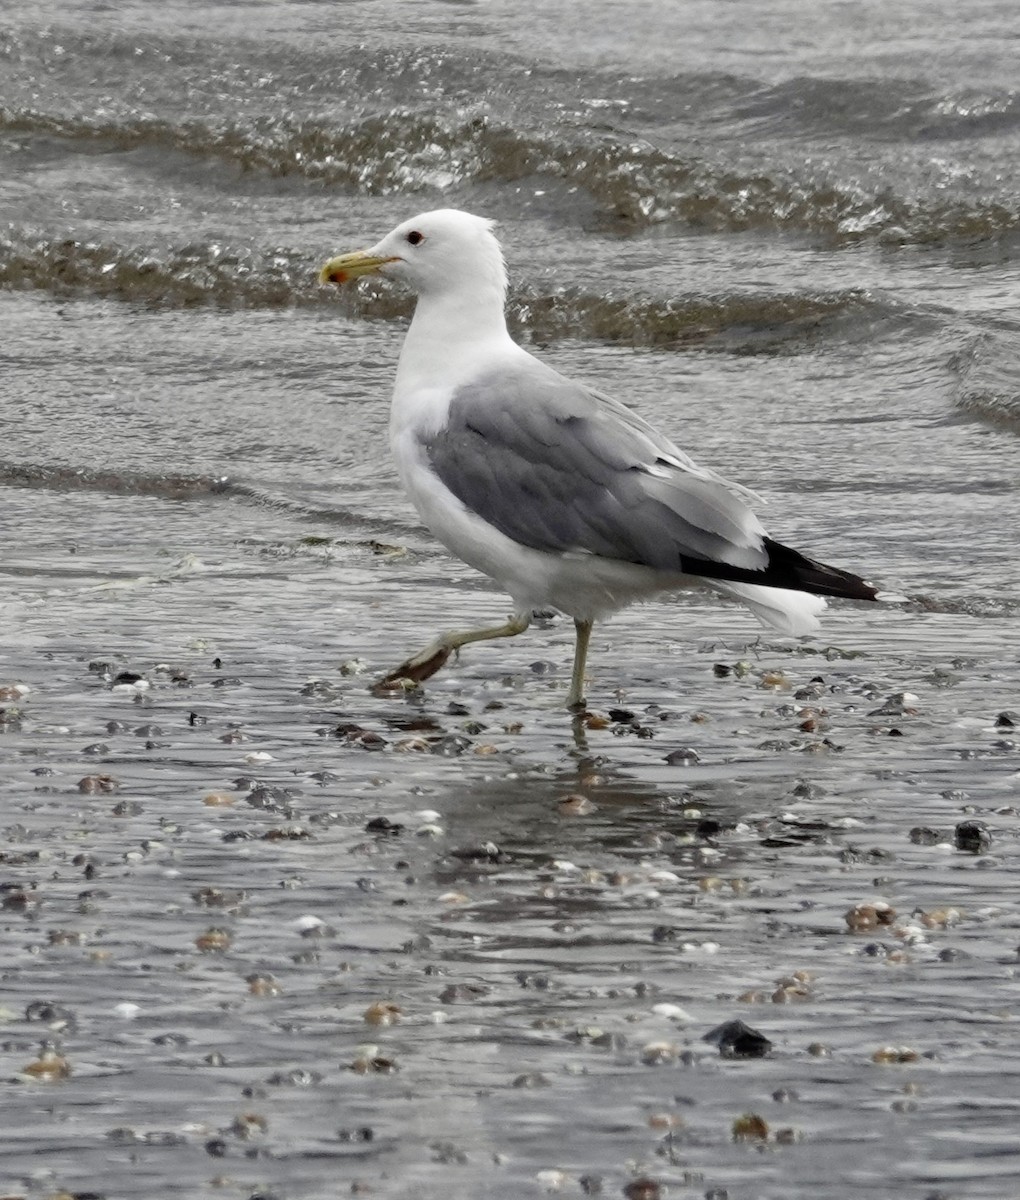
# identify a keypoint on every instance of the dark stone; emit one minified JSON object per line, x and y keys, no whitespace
{"x":666,"y":933}
{"x":875,"y":950}
{"x":683,"y":758}
{"x":973,"y":837}
{"x":364,"y":1133}
{"x":270,"y":799}
{"x":488,"y":852}
{"x":457,"y":992}
{"x":384,"y":825}
{"x":921,"y":835}
{"x":322,"y":778}
{"x":450,"y":746}
{"x":50,"y":1013}
{"x":737,"y":1040}
{"x":643,"y":1189}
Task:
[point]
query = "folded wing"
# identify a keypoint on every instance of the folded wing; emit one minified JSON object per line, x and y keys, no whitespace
{"x":562,"y":469}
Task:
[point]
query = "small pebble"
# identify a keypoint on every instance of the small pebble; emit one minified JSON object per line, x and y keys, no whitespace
{"x":214,"y":941}
{"x":685,"y":757}
{"x":643,"y":1189}
{"x":263,"y":985}
{"x":532,"y":1079}
{"x":365,"y":1133}
{"x":382,"y":1012}
{"x":49,"y":1066}
{"x":657,"y":1054}
{"x":249,"y":1125}
{"x":672,"y":1012}
{"x":750,"y":1128}
{"x":665,"y":1120}
{"x":895,"y":1054}
{"x":92,"y":784}
{"x":938,"y":918}
{"x":864,"y":918}
{"x":576,"y":806}
{"x":774,"y":679}
{"x":373,"y":1064}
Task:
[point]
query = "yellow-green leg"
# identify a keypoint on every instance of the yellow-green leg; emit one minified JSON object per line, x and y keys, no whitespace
{"x":575,"y":697}
{"x":424,"y":665}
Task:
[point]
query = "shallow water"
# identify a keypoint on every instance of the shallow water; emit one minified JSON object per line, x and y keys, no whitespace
{"x":791,"y":241}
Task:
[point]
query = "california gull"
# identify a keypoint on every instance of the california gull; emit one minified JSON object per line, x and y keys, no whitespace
{"x":564,"y":496}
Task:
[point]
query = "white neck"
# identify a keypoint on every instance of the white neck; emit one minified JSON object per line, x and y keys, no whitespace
{"x":451,"y":335}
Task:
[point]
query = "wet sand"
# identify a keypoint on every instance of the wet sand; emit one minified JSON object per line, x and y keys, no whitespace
{"x":210,"y":881}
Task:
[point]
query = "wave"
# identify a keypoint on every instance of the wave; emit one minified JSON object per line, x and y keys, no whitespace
{"x":631,"y":183}
{"x":215,"y":275}
{"x":176,"y":277}
{"x":741,"y":321}
{"x":970,"y":606}
{"x":178,"y":487}
{"x":887,"y":109}
{"x":88,"y":479}
{"x":987,"y":378}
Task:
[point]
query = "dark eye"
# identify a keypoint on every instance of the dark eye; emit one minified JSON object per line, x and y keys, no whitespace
{"x":415,"y":238}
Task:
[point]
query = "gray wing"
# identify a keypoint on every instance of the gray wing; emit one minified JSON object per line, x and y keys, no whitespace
{"x":557,"y":467}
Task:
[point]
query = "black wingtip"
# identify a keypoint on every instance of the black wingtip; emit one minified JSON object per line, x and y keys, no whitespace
{"x":806,"y":575}
{"x":788,"y":568}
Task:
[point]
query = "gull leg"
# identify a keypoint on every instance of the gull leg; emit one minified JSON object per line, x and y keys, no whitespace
{"x":424,"y":665}
{"x":575,"y":697}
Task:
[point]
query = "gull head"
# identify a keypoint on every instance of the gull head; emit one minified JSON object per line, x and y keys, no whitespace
{"x":436,"y":253}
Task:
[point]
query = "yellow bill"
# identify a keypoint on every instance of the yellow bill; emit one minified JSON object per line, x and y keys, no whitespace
{"x":351,"y":266}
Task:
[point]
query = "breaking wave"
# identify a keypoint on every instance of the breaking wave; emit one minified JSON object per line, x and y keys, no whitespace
{"x":632,"y":184}
{"x":210,"y":274}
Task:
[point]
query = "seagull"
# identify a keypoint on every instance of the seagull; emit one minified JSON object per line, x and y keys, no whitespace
{"x":565,"y":497}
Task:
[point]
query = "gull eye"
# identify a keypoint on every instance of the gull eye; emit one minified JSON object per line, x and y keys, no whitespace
{"x":415,"y":238}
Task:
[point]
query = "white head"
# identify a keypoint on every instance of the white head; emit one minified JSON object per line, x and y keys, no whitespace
{"x":442,"y":252}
